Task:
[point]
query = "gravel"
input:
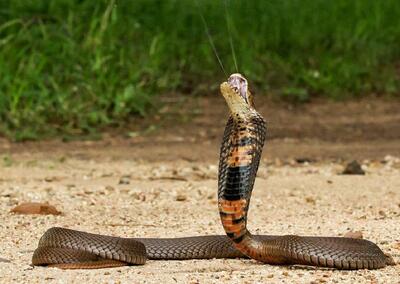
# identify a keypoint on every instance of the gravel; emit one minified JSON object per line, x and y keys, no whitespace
{"x":175,"y":199}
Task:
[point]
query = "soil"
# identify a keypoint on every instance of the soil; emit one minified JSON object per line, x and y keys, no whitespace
{"x":158,"y":179}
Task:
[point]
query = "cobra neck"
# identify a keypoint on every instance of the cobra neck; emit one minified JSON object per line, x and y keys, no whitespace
{"x":238,"y":167}
{"x":241,"y":112}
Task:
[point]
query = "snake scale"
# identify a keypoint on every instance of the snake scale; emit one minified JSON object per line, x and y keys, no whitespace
{"x":240,"y":154}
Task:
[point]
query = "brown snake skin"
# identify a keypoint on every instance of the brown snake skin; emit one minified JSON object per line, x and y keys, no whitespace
{"x":239,"y":159}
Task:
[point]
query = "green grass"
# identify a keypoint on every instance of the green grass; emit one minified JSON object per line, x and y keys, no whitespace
{"x":71,"y":66}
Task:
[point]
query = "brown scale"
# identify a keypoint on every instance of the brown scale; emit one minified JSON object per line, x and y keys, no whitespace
{"x":233,"y":210}
{"x":240,"y":156}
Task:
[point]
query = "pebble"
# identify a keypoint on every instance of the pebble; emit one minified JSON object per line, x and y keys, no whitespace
{"x":353,"y":168}
{"x":120,"y":212}
{"x":304,"y":160}
{"x":4,"y":260}
{"x":382,"y":213}
{"x":49,"y":179}
{"x":310,"y":200}
{"x":181,"y":197}
{"x":354,"y":235}
{"x":124,"y":180}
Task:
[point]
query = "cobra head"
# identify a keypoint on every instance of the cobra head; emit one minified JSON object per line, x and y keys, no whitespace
{"x":237,"y":94}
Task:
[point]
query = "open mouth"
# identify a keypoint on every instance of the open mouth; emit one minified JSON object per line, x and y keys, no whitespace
{"x":239,"y":85}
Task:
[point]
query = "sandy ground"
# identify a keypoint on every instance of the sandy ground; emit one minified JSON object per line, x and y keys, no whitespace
{"x":178,"y":199}
{"x":164,"y":185}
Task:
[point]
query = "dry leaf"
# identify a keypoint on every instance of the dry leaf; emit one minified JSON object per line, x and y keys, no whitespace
{"x":35,"y":208}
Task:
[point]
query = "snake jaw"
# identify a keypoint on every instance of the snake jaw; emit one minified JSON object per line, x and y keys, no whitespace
{"x":239,"y":86}
{"x":236,"y":93}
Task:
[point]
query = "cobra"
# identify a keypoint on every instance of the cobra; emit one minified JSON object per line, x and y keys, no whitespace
{"x":240,"y":153}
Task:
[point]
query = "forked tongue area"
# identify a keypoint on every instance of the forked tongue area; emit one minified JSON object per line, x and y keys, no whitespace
{"x":239,"y":84}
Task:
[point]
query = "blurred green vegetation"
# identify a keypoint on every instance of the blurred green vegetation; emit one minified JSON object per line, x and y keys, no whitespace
{"x":73,"y":66}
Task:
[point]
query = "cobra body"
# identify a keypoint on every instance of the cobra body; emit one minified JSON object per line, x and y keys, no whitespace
{"x":239,"y":159}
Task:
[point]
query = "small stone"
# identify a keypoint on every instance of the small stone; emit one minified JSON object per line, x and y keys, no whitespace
{"x":382,"y":213}
{"x":304,"y":160}
{"x":4,"y":260}
{"x":354,"y":235}
{"x":181,"y":197}
{"x":139,"y":196}
{"x":326,"y":275}
{"x":310,"y":200}
{"x":353,"y":168}
{"x":270,"y":275}
{"x":124,"y":179}
{"x":7,"y":194}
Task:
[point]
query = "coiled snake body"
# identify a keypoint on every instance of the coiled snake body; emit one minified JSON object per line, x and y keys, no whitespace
{"x":239,"y":159}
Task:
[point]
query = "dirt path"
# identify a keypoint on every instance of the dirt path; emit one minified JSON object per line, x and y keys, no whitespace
{"x":163,"y":184}
{"x":192,"y":129}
